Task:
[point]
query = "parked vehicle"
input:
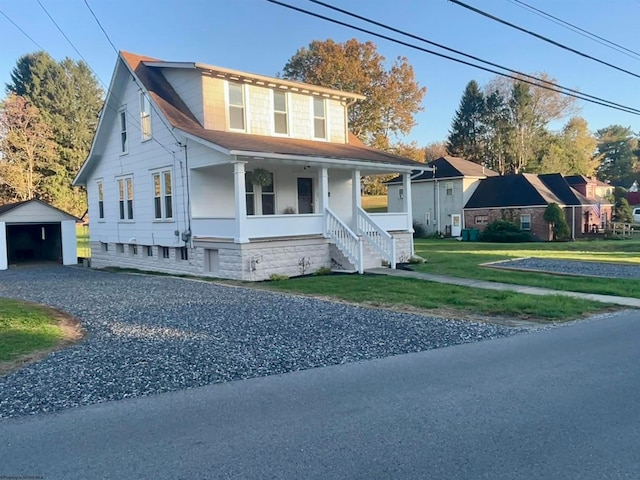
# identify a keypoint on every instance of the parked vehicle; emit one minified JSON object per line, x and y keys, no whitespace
{"x":636,"y":215}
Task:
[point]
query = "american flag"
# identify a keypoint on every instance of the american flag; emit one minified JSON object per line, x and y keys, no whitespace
{"x":595,"y":209}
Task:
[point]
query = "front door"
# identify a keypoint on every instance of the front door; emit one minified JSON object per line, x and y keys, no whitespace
{"x":456,"y":225}
{"x":305,"y":195}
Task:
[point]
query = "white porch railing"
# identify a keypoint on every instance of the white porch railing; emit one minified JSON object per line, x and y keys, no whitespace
{"x":345,"y":239}
{"x":214,"y":227}
{"x":391,"y":221}
{"x":379,"y":239}
{"x":284,"y":225}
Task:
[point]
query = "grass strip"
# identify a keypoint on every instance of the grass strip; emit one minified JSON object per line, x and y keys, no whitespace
{"x":379,"y":290}
{"x":25,"y":328}
{"x":464,"y":259}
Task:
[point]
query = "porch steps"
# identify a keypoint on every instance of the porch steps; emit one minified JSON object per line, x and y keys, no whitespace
{"x":341,"y":263}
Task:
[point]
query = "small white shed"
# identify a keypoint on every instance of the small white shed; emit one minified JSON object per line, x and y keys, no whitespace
{"x":34,"y":231}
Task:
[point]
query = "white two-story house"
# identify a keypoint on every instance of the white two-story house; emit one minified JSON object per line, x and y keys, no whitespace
{"x":204,"y":170}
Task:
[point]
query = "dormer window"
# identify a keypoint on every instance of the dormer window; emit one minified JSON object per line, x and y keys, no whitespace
{"x":145,"y":117}
{"x":319,"y":118}
{"x":280,"y":123}
{"x":236,"y":106}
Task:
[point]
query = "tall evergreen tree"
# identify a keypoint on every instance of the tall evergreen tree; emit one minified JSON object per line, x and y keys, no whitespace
{"x":69,"y":99}
{"x":467,"y":129}
{"x":498,"y":131}
{"x":616,"y":153}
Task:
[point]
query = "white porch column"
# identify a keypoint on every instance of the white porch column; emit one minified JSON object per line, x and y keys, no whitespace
{"x":240,"y":198}
{"x":356,"y":198}
{"x":4,"y":261}
{"x":406,"y":201}
{"x":324,"y":195}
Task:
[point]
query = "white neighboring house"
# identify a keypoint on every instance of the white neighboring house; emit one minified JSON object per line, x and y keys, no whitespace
{"x":204,"y":170}
{"x":439,"y":194}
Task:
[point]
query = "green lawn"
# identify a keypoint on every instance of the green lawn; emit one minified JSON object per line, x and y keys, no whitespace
{"x":82,"y":234}
{"x":379,"y":290}
{"x":463,"y":259}
{"x":25,"y":328}
{"x":374,"y":203}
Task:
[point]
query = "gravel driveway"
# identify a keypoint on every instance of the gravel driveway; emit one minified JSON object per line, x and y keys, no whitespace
{"x":572,"y":267}
{"x":150,"y":334}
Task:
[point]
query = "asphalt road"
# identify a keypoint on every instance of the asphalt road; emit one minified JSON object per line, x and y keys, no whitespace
{"x":555,"y":404}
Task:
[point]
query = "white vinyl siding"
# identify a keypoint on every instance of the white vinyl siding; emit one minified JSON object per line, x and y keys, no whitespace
{"x":145,"y":117}
{"x":162,"y":195}
{"x":237,"y":120}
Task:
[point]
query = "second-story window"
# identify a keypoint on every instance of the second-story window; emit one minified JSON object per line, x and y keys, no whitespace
{"x":319,"y":118}
{"x":236,"y":106}
{"x":145,"y":117}
{"x":124,"y":145}
{"x":280,"y":113}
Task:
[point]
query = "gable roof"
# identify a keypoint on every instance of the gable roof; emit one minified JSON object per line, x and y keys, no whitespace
{"x":149,"y":73}
{"x":525,"y":189}
{"x":7,"y":207}
{"x":449,"y":167}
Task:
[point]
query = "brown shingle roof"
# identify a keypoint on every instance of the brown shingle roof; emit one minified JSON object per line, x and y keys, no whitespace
{"x":180,"y":117}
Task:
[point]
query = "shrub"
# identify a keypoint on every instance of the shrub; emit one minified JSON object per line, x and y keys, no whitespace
{"x":416,"y":260}
{"x":554,"y":216}
{"x":419,"y":231}
{"x":622,"y":211}
{"x":504,"y":232}
{"x":323,"y":271}
{"x":276,"y":277}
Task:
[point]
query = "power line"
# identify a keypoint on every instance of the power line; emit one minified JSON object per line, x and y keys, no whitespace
{"x":578,"y":30}
{"x":96,"y":75}
{"x":444,"y":47}
{"x":543,"y":38}
{"x":160,"y":116}
{"x":602,"y":102}
{"x":21,"y":30}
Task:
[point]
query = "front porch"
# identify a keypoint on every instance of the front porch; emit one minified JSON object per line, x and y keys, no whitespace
{"x":230,"y":205}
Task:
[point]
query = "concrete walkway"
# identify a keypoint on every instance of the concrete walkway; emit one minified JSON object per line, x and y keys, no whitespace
{"x":470,"y":282}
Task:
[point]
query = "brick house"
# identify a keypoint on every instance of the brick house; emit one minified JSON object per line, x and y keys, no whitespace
{"x":523,"y":198}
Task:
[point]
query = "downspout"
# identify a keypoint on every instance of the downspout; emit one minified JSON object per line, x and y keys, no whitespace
{"x":186,"y":235}
{"x":573,"y":222}
{"x":346,"y":118}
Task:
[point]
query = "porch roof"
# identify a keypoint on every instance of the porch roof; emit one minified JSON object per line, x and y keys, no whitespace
{"x":181,"y":118}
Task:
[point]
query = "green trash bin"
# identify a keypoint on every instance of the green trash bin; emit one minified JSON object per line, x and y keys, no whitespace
{"x":474,"y":234}
{"x":465,"y":234}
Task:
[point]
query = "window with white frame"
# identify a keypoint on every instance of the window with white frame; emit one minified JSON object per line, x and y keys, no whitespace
{"x":145,"y":117}
{"x":525,"y":221}
{"x":182,"y":253}
{"x":236,"y":106}
{"x":164,"y":252}
{"x":125,"y":197}
{"x":280,"y":120}
{"x":100,"y":200}
{"x":149,"y":251}
{"x":481,"y":219}
{"x":261,"y":199}
{"x":124,"y":142}
{"x":319,"y":118}
{"x":163,"y":195}
{"x":449,"y":188}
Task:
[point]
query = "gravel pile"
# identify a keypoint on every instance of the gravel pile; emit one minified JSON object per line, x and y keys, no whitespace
{"x":573,"y":267}
{"x":155,"y":334}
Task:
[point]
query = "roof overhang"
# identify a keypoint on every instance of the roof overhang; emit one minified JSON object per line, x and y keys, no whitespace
{"x":327,"y":161}
{"x":262,"y":80}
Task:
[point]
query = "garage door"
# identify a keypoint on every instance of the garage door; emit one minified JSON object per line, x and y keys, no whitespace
{"x":34,"y":243}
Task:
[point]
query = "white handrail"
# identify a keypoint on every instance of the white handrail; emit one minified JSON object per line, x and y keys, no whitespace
{"x":375,"y":236}
{"x":345,"y":239}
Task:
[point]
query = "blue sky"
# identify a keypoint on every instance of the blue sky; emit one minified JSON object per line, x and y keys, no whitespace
{"x":259,"y":37}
